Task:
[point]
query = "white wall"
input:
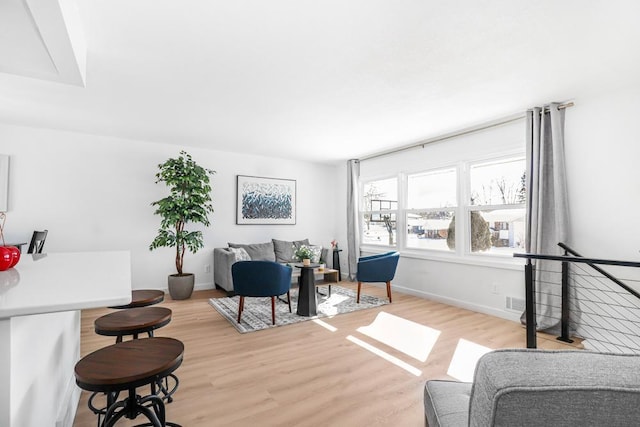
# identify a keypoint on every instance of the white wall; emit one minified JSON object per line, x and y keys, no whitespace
{"x":94,"y":193}
{"x":603,"y":169}
{"x":602,"y":152}
{"x":468,"y":282}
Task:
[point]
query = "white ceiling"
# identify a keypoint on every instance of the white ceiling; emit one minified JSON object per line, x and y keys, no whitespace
{"x":304,"y":79}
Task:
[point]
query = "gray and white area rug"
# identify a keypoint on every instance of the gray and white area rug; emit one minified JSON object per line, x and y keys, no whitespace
{"x":257,"y":311}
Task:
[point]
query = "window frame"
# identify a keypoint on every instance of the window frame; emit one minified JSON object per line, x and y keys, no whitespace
{"x":454,"y":168}
{"x":462,"y":252}
{"x":468,"y":208}
{"x":380,"y":212}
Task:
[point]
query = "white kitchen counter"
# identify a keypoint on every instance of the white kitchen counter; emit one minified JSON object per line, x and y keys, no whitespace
{"x":48,"y":283}
{"x":40,"y":299}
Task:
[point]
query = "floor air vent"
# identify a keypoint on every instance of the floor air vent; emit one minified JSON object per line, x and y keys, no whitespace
{"x":515,"y":304}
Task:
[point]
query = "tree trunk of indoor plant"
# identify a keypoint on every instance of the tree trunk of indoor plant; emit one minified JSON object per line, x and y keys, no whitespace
{"x":181,"y":285}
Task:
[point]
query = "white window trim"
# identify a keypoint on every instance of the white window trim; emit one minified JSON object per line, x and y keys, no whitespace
{"x":462,"y":253}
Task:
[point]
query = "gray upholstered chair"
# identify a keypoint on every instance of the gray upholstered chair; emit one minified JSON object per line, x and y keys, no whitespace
{"x":540,"y":388}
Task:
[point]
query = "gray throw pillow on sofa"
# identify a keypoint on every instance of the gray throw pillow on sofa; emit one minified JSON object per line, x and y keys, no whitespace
{"x":284,"y":249}
{"x":257,"y":251}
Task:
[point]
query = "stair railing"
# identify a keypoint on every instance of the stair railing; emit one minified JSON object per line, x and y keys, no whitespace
{"x":570,"y":256}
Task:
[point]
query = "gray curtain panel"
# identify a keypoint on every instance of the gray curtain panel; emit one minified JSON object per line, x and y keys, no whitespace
{"x":353,"y":217}
{"x":547,"y":208}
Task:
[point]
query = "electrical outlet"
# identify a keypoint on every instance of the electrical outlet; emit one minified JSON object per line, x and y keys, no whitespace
{"x":494,"y":288}
{"x":207,"y":268}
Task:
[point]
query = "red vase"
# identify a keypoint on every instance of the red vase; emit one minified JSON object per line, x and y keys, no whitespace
{"x":6,"y":258}
{"x":15,"y":253}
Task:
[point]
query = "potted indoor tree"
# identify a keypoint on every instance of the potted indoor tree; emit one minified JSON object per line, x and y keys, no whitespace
{"x":188,"y":202}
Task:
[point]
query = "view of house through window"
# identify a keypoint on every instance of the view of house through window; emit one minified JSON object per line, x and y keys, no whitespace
{"x":431,"y":207}
{"x":379,"y":207}
{"x":492,"y":208}
{"x":497,"y":206}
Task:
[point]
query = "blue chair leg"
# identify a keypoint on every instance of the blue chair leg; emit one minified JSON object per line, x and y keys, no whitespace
{"x":388,"y":292}
{"x":273,"y":310}
{"x":240,"y":308}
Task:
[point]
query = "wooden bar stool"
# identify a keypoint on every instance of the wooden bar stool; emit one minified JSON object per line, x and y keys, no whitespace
{"x":143,"y":298}
{"x":126,"y":366}
{"x":133,"y":321}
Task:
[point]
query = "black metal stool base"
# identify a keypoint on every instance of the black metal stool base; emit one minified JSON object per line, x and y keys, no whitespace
{"x":163,"y":387}
{"x":100,"y":412}
{"x":152,"y":407}
{"x":163,"y":391}
{"x":149,"y":362}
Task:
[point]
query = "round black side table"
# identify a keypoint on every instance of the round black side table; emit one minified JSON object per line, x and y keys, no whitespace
{"x":307,"y":305}
{"x":336,"y":262}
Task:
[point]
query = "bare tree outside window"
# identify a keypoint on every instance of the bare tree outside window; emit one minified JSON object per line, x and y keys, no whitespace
{"x":379,"y":211}
{"x":372,"y":193}
{"x":497,"y":190}
{"x":390,"y":225}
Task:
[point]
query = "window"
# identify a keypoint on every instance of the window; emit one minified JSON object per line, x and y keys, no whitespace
{"x":496,"y":210}
{"x":379,"y":207}
{"x":431,"y":207}
{"x":472,"y":208}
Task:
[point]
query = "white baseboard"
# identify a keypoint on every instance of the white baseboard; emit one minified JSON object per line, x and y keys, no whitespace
{"x":492,"y":311}
{"x":203,"y":286}
{"x":196,"y":287}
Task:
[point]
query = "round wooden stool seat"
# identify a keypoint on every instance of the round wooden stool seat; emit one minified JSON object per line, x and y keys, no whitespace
{"x":133,"y":321}
{"x":126,"y":366}
{"x":143,"y":298}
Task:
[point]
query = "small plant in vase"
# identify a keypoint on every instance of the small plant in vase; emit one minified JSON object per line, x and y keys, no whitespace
{"x":304,"y":254}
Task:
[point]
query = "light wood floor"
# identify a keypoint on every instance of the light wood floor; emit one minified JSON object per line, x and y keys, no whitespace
{"x":305,"y":374}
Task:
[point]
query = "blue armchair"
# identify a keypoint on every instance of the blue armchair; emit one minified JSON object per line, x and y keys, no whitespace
{"x":261,"y":279}
{"x":377,"y":268}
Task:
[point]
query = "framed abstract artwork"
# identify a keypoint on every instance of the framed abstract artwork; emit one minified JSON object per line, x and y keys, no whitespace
{"x":265,"y":200}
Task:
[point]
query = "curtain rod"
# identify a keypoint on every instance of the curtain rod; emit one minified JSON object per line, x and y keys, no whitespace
{"x":463,"y":132}
{"x":562,"y":106}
